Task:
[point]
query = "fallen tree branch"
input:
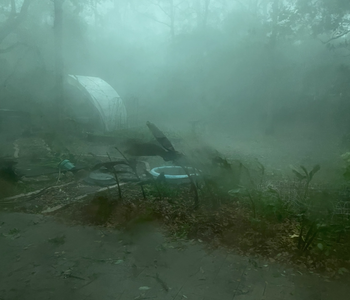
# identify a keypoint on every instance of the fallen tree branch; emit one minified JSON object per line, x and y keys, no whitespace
{"x":34,"y":193}
{"x":98,"y":191}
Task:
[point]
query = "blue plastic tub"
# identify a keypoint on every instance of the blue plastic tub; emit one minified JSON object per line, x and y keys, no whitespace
{"x":174,"y":174}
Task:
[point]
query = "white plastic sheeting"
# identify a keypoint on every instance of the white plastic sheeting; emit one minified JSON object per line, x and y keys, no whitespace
{"x":105,"y":99}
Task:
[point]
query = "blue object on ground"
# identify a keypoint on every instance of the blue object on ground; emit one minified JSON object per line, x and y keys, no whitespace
{"x":174,"y":174}
{"x":66,"y":165}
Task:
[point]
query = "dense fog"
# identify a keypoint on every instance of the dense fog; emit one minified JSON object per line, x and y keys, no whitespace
{"x":249,"y":73}
{"x":174,"y":149}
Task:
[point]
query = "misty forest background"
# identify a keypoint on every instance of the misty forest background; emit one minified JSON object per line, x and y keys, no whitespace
{"x":272,"y":75}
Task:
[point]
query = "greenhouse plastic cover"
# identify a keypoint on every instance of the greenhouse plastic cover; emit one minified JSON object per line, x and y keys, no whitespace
{"x":106,"y":100}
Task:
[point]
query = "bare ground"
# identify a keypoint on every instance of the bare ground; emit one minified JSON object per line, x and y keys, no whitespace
{"x":45,"y":259}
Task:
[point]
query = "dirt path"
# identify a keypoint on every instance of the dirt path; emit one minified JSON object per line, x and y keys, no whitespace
{"x":43,"y":259}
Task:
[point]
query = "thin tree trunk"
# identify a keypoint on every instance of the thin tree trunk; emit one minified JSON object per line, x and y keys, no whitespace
{"x":58,"y":32}
{"x":13,"y":8}
{"x":172,"y":20}
{"x":206,"y":11}
{"x":273,"y":43}
{"x":14,"y":20}
{"x":198,"y":8}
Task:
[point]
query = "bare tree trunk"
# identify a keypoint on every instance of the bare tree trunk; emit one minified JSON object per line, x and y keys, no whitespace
{"x":198,"y":8}
{"x":13,"y":7}
{"x":58,"y":32}
{"x":172,"y":20}
{"x":202,"y":10}
{"x":206,"y":12}
{"x":273,"y":43}
{"x":274,"y":15}
{"x":15,"y":19}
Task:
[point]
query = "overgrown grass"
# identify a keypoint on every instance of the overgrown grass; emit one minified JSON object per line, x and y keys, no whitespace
{"x":241,"y":206}
{"x":291,"y":216}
